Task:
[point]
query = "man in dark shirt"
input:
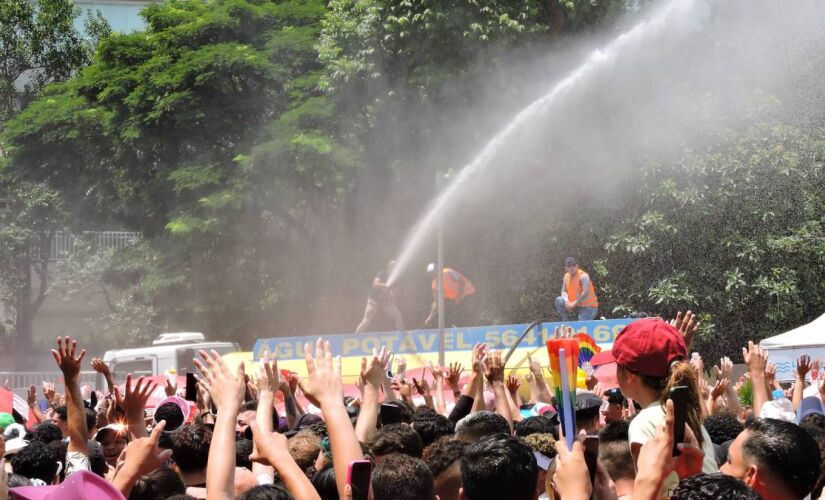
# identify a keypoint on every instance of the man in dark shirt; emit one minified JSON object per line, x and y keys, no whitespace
{"x":381,"y":297}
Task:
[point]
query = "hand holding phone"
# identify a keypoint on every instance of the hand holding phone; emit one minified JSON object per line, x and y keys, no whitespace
{"x":358,"y":477}
{"x":679,"y":396}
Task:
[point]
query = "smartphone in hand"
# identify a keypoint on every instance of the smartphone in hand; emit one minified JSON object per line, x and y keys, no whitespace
{"x":191,"y":387}
{"x":358,"y":477}
{"x":679,"y":396}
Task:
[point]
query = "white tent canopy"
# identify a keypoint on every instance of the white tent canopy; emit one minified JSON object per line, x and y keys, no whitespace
{"x":785,"y":348}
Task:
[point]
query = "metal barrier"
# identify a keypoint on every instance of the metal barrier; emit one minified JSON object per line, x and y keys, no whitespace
{"x":62,"y":245}
{"x":20,"y":381}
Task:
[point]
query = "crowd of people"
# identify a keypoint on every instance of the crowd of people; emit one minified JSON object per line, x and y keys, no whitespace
{"x":448,"y":435}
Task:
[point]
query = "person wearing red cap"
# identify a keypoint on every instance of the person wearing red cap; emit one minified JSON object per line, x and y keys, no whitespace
{"x":651,"y":358}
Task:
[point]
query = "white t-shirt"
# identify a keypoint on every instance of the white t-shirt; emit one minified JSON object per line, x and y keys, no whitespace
{"x":644,"y":427}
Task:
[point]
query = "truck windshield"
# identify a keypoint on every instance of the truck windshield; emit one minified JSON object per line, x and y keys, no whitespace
{"x":184,"y":356}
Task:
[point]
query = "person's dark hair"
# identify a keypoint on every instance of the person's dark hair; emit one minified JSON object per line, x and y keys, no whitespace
{"x":36,"y":461}
{"x":249,"y":406}
{"x":97,"y":461}
{"x":442,"y":454}
{"x":402,"y":477}
{"x":533,"y":425}
{"x":171,"y":413}
{"x":324,"y":483}
{"x":47,"y":432}
{"x":813,"y":420}
{"x":319,"y":429}
{"x":723,"y":427}
{"x":818,"y":435}
{"x":713,"y":487}
{"x":191,"y":447}
{"x":615,"y":431}
{"x":304,"y":447}
{"x":396,"y":438}
{"x":430,"y":426}
{"x":243,"y":448}
{"x":786,"y":452}
{"x":91,"y":418}
{"x":266,"y":492}
{"x":161,"y":483}
{"x":61,"y":412}
{"x":483,"y":423}
{"x":498,"y":467}
{"x":182,"y":496}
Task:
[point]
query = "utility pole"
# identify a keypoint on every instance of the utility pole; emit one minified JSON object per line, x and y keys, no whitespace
{"x":439,"y":181}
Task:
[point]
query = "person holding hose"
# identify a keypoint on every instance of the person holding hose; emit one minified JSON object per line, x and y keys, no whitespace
{"x":381,"y":298}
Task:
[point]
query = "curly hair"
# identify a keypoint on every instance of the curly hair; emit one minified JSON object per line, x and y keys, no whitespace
{"x":442,"y":454}
{"x":36,"y":461}
{"x":723,"y":427}
{"x":397,"y":438}
{"x":431,"y":426}
{"x":542,"y":442}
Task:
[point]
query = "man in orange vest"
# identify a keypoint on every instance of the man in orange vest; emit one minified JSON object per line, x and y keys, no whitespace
{"x":577,"y":294}
{"x":456,"y":289}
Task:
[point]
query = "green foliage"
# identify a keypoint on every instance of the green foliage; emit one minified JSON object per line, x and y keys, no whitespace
{"x":746,"y":394}
{"x":752,"y":208}
{"x":39,"y":45}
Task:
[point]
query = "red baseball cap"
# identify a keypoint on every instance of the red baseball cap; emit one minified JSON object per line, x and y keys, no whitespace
{"x":647,"y":346}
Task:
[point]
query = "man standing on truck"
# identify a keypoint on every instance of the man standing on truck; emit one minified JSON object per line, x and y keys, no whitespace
{"x":456,"y":289}
{"x":381,"y":297}
{"x":577,"y":293}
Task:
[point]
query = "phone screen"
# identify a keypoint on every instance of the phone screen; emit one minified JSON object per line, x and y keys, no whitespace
{"x":358,"y":477}
{"x":390,"y":414}
{"x":591,"y":455}
{"x":679,"y":396}
{"x":191,"y":388}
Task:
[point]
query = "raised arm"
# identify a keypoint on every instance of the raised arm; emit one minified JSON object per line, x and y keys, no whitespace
{"x":438,"y":378}
{"x":541,"y":389}
{"x":268,"y":381}
{"x":494,"y":371}
{"x":31,"y":400}
{"x":803,"y":366}
{"x":227,"y":392}
{"x":757,"y":360}
{"x":372,"y":376}
{"x":272,"y":448}
{"x":326,"y":387}
{"x":102,"y":368}
{"x":133,"y":402}
{"x":69,"y":364}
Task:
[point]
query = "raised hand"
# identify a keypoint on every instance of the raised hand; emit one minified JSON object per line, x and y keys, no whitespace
{"x":100,"y":366}
{"x":49,"y":392}
{"x":494,"y":367}
{"x":479,"y":352}
{"x":170,"y":389}
{"x":571,"y":479}
{"x":803,"y":366}
{"x":269,"y":377}
{"x":269,"y":446}
{"x":31,"y":395}
{"x":719,"y":388}
{"x":437,"y":372}
{"x":535,"y":367}
{"x":755,"y":357}
{"x":400,"y":367}
{"x":66,"y":360}
{"x":141,"y":456}
{"x":454,"y":375}
{"x":513,"y":383}
{"x":687,"y":326}
{"x":703,"y":387}
{"x":373,"y":370}
{"x":227,"y":390}
{"x":423,"y":387}
{"x":770,"y":374}
{"x":324,"y":385}
{"x":133,"y":399}
{"x":725,"y":367}
{"x":403,"y":388}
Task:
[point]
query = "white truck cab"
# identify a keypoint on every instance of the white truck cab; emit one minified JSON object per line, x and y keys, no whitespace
{"x":169,"y":351}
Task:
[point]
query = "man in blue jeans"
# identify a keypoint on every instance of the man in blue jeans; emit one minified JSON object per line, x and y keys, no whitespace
{"x":577,"y":294}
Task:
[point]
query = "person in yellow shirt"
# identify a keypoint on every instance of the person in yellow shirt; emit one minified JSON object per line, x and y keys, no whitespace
{"x":577,"y":294}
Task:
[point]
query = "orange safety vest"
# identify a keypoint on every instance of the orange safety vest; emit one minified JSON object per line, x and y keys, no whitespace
{"x":574,"y":289}
{"x":456,"y":286}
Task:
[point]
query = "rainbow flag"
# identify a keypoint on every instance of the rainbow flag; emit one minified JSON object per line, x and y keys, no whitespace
{"x":564,"y":385}
{"x":587,"y":348}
